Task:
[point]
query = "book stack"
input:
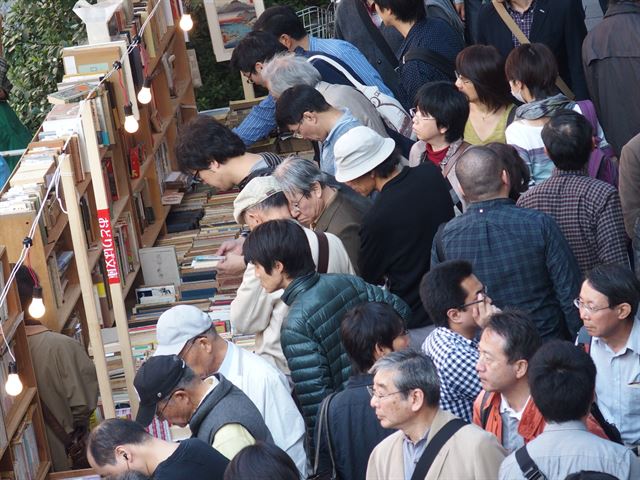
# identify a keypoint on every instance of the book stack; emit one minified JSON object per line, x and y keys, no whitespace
{"x":26,"y":459}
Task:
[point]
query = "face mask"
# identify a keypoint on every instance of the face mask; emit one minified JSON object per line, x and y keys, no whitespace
{"x":518,"y":96}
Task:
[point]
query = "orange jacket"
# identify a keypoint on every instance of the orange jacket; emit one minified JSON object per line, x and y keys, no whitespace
{"x":531,"y":425}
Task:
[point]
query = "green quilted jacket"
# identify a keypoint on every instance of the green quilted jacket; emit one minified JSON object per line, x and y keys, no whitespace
{"x":311,"y":333}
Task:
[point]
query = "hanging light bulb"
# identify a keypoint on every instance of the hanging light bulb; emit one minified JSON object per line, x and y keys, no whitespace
{"x":186,"y":23}
{"x":130,"y":122}
{"x":144,"y":95}
{"x":13,"y":386}
{"x":36,"y":307}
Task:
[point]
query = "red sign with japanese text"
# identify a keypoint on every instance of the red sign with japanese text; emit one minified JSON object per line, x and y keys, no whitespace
{"x":108,"y":245}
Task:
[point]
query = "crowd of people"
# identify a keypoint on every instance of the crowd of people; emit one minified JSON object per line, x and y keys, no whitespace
{"x":455,"y":300}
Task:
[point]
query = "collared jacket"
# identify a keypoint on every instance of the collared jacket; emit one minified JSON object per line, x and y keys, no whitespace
{"x":531,"y":424}
{"x":311,"y":333}
{"x":611,"y":58}
{"x":470,"y":454}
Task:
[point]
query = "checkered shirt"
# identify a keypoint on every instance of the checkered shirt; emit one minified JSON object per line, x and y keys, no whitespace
{"x":587,"y":211}
{"x":523,"y":20}
{"x":523,"y":259}
{"x":455,"y":357}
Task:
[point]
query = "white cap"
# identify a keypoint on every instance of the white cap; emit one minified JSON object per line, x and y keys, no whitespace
{"x":358,"y":151}
{"x":254,"y":193}
{"x":177,"y":326}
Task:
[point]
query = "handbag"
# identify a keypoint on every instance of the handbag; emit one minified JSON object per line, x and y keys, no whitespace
{"x":522,"y":38}
{"x":323,"y":424}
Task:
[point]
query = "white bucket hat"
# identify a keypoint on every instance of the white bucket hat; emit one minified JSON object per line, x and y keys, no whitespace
{"x":359,"y":151}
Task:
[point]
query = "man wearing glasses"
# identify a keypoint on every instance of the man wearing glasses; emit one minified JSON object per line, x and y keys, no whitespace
{"x":608,"y":306}
{"x":405,"y":396}
{"x":459,"y":306}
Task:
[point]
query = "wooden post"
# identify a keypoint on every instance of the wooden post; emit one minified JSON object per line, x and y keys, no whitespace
{"x":106,"y":233}
{"x":247,"y":88}
{"x":86,"y":284}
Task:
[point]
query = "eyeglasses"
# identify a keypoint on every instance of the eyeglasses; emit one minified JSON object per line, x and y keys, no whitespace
{"x":379,"y":396}
{"x":461,"y":78}
{"x":580,"y":304}
{"x":417,"y":115}
{"x":482,"y":293}
{"x":296,"y":205}
{"x":196,"y":177}
{"x":297,"y":133}
{"x":160,"y":414}
{"x":248,"y":77}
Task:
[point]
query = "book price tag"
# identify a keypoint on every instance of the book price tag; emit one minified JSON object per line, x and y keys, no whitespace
{"x":108,"y":246}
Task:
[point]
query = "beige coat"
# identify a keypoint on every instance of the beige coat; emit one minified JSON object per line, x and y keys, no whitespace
{"x":629,"y":183}
{"x":256,"y":311}
{"x":471,"y":454}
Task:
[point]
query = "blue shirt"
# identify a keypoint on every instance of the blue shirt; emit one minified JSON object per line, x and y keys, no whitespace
{"x":523,"y":259}
{"x":434,"y":34}
{"x":4,"y":171}
{"x":619,"y":402}
{"x":344,"y":124}
{"x":262,"y":119}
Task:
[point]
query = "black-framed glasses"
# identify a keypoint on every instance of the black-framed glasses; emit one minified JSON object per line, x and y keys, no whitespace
{"x":296,"y":133}
{"x":589,"y":309}
{"x":196,"y":178}
{"x":296,"y":205}
{"x":248,"y":78}
{"x":380,"y":396}
{"x":482,"y":293}
{"x":160,"y":414}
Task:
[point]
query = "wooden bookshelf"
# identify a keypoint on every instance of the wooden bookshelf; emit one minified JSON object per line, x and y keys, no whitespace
{"x":22,"y":415}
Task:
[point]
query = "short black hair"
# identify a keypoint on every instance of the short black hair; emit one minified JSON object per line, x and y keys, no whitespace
{"x":536,"y":67}
{"x":448,"y":105}
{"x":441,"y":289}
{"x":568,"y":137}
{"x":203,"y":140}
{"x":25,"y":286}
{"x":562,"y":380}
{"x":517,"y":169}
{"x":618,"y":284}
{"x":294,"y":101}
{"x":520,"y":334}
{"x":283,"y":241}
{"x":112,"y":432}
{"x":389,"y":165}
{"x":365,"y":326}
{"x":404,"y":10}
{"x":261,"y":461}
{"x":483,"y":66}
{"x":279,"y":20}
{"x":255,"y":47}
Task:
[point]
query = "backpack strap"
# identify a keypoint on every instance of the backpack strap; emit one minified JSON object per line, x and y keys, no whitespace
{"x":522,"y":38}
{"x":588,"y":110}
{"x":434,"y":446}
{"x":323,"y":252}
{"x":440,"y":62}
{"x":484,"y":413}
{"x":529,"y":469}
{"x":323,"y":424}
{"x":512,"y":115}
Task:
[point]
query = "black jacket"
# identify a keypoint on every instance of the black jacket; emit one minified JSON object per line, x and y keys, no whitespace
{"x":559,"y":24}
{"x":354,"y":429}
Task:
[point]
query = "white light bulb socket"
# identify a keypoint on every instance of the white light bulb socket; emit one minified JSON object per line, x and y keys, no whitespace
{"x":186,"y":22}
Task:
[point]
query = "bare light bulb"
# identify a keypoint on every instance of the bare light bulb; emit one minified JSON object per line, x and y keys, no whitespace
{"x":144,"y":95}
{"x":36,"y":307}
{"x":13,"y":386}
{"x":186,"y":23}
{"x":130,"y":122}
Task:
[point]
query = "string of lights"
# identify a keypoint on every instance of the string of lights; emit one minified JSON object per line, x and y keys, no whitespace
{"x":13,"y":385}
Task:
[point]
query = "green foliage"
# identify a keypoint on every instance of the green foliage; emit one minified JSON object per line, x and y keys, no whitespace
{"x":219,"y":83}
{"x":34,"y":33}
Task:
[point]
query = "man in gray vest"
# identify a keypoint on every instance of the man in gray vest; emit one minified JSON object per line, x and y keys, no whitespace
{"x":216,"y":411}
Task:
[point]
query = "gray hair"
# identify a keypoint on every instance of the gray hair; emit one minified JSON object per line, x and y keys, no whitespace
{"x":285,"y":70}
{"x":297,"y":175}
{"x":412,"y":369}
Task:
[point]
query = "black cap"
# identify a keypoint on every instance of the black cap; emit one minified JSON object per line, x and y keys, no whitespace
{"x":155,"y":380}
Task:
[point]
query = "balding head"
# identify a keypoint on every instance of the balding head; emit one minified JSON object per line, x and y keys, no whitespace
{"x":482,"y":175}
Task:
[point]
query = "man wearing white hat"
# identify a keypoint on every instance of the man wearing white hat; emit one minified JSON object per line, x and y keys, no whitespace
{"x":188,"y":332}
{"x":398,"y":230}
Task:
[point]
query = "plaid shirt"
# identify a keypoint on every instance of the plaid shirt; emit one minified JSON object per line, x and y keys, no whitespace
{"x":523,"y":259}
{"x":523,"y":20}
{"x":455,"y":357}
{"x":587,"y":211}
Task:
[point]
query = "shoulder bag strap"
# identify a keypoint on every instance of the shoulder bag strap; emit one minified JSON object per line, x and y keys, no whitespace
{"x":323,"y":252}
{"x":484,"y":414}
{"x":454,"y":158}
{"x":434,"y":59}
{"x":55,"y":425}
{"x":528,"y":467}
{"x":338,"y":67}
{"x":323,"y":424}
{"x":522,"y":38}
{"x":434,"y":447}
{"x":375,"y":34}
